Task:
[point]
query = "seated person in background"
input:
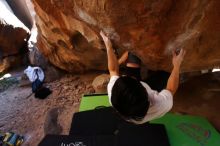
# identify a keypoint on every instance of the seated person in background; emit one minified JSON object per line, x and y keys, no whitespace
{"x":133,"y":99}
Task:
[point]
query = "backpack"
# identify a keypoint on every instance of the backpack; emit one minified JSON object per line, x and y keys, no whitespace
{"x":37,"y":84}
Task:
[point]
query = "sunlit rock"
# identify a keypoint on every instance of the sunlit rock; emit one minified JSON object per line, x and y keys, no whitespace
{"x":13,"y":37}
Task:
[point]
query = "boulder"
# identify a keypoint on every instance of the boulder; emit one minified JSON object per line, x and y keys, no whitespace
{"x":13,"y":37}
{"x":100,"y":83}
{"x":69,"y":32}
{"x":9,"y":62}
{"x":37,"y":59}
{"x":21,"y":11}
{"x":52,"y":73}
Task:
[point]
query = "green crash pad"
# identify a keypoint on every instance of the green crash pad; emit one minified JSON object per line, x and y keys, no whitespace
{"x":185,"y":130}
{"x":89,"y":102}
{"x":182,"y":130}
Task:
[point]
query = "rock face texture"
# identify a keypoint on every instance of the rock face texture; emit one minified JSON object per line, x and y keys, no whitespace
{"x":69,"y":32}
{"x":21,"y":11}
{"x":12,"y":36}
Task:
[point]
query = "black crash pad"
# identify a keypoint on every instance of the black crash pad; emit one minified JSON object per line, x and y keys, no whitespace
{"x":105,"y":121}
{"x":70,"y":140}
{"x":103,"y":127}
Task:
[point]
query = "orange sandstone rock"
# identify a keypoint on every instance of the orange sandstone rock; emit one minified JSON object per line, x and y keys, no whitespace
{"x":69,"y":32}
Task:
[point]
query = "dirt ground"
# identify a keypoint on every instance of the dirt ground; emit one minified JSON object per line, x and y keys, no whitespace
{"x":21,"y":113}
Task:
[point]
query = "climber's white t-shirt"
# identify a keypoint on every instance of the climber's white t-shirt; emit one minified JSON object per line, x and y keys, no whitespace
{"x":160,"y":103}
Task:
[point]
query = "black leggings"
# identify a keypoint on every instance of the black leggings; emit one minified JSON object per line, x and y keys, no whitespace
{"x":133,"y":72}
{"x":157,"y":80}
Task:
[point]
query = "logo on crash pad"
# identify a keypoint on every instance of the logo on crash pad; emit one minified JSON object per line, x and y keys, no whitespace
{"x":196,"y":132}
{"x":73,"y":144}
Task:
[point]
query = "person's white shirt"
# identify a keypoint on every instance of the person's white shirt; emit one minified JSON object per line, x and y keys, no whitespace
{"x":160,"y":102}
